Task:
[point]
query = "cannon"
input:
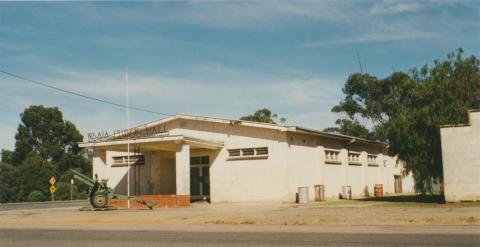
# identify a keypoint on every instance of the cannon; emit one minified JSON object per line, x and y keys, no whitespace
{"x":100,"y":193}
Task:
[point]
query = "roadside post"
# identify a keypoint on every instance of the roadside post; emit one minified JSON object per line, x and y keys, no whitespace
{"x":71,"y":189}
{"x":52,"y":187}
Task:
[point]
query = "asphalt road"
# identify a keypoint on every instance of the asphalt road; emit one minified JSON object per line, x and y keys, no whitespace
{"x":39,"y":205}
{"x":94,"y":238}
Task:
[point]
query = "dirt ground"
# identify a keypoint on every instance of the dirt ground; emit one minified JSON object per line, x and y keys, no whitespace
{"x":330,"y":213}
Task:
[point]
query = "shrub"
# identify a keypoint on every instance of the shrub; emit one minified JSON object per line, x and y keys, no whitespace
{"x":63,"y":191}
{"x":36,"y":196}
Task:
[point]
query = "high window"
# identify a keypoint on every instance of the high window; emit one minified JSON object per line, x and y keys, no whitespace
{"x":372,"y":160}
{"x":200,"y":160}
{"x":354,"y":158}
{"x":123,"y":160}
{"x":332,"y":156}
{"x":248,"y":153}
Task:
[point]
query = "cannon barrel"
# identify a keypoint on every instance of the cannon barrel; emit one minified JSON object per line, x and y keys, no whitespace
{"x":82,"y":178}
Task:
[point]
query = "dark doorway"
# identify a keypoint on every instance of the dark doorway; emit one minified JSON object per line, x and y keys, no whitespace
{"x":200,"y":178}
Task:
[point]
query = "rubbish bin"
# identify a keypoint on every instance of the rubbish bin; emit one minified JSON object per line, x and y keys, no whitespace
{"x":303,"y":195}
{"x":347,"y":192}
{"x":378,"y":191}
{"x":319,"y":193}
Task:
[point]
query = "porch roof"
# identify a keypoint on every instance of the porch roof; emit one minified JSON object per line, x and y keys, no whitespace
{"x":158,"y":143}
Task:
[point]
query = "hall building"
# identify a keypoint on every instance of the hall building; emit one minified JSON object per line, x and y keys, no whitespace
{"x":183,"y":158}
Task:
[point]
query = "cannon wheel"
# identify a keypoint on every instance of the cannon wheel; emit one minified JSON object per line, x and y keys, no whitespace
{"x":99,"y":200}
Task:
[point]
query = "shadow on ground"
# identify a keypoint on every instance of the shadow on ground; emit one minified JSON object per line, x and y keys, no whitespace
{"x":408,"y":198}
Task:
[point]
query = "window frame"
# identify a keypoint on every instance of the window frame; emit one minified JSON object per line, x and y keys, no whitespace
{"x":354,"y":162}
{"x":135,"y":160}
{"x":375,"y":162}
{"x":335,"y":161}
{"x":251,"y":154}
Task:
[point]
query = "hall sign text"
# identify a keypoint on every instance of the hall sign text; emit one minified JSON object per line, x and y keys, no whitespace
{"x":132,"y":133}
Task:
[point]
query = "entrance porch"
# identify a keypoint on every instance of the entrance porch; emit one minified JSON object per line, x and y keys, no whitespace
{"x":169,"y":170}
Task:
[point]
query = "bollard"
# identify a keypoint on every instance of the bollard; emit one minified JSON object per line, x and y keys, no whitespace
{"x":319,"y":193}
{"x":303,"y":195}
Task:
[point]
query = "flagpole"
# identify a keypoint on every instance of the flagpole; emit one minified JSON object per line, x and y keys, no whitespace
{"x":128,"y":141}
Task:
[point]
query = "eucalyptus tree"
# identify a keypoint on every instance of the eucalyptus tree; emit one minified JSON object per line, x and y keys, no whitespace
{"x":406,"y":110}
{"x":263,"y":115}
{"x":45,"y":145}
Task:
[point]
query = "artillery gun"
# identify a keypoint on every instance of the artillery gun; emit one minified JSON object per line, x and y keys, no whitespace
{"x":100,"y":193}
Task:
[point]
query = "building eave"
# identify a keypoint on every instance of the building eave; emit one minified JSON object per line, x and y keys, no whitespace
{"x":338,"y":136}
{"x":295,"y":129}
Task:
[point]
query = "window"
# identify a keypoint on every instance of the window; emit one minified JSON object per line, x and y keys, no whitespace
{"x":234,"y":152}
{"x":372,"y":160}
{"x":200,"y":160}
{"x":248,"y":153}
{"x":261,"y":151}
{"x":123,"y":160}
{"x":118,"y":160}
{"x":354,"y":158}
{"x":332,"y":156}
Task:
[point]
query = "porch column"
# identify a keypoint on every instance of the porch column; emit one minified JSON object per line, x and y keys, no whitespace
{"x":182,"y":169}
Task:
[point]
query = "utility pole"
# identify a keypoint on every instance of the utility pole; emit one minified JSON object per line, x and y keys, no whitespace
{"x":128,"y":142}
{"x":359,"y":63}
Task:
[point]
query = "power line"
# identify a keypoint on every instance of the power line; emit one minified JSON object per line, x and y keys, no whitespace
{"x":81,"y":95}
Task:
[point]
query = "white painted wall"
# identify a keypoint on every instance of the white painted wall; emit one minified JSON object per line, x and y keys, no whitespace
{"x":303,"y":164}
{"x":461,"y":160}
{"x":250,"y":180}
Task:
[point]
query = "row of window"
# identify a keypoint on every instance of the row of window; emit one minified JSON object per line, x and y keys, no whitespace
{"x":260,"y":152}
{"x":333,"y":156}
{"x":123,"y":160}
{"x":248,"y":152}
{"x":140,"y":160}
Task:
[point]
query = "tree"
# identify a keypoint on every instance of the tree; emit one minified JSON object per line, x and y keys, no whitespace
{"x":8,"y":183}
{"x":406,"y":109}
{"x":63,"y":191}
{"x":263,"y":116}
{"x":7,"y":156}
{"x":46,"y":145}
{"x":351,"y":128}
{"x":80,"y":190}
{"x":43,"y":131}
{"x":69,"y":160}
{"x":34,"y":174}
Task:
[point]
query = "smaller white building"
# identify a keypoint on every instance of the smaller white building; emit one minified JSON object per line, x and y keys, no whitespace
{"x":461,"y":160}
{"x":183,"y":158}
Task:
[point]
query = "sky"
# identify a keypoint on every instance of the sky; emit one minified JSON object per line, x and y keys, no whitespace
{"x":219,"y":59}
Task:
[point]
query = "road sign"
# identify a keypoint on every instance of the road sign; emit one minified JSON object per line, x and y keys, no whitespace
{"x":52,"y":180}
{"x":52,"y":189}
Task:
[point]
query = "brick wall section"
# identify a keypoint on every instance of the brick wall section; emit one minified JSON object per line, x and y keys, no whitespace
{"x":162,"y":201}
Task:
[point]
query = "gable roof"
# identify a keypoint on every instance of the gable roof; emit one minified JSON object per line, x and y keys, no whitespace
{"x":283,"y":128}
